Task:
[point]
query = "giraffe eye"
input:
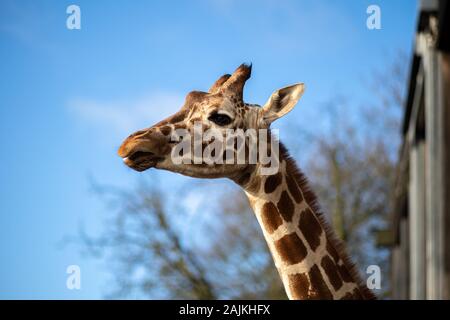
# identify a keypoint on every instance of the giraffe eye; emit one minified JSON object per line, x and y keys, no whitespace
{"x":220,"y":119}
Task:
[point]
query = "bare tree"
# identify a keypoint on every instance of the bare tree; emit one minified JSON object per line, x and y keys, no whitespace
{"x":352,"y":166}
{"x":151,"y":258}
{"x":144,"y":249}
{"x":240,"y":254}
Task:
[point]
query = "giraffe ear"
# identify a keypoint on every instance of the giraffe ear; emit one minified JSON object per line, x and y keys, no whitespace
{"x":281,"y":102}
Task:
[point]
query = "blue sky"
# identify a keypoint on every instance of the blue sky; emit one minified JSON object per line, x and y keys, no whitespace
{"x":69,"y":97}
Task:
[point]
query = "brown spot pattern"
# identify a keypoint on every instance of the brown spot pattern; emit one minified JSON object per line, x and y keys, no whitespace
{"x":318,"y":285}
{"x":286,"y":206}
{"x":166,"y":130}
{"x":272,"y":182}
{"x":179,"y":126}
{"x":343,"y":272}
{"x":293,"y":189}
{"x":299,"y":286}
{"x":270,"y":217}
{"x":310,"y":228}
{"x":291,"y":249}
{"x":330,"y":269}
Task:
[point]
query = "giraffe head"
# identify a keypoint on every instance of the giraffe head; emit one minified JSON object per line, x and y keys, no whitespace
{"x":219,"y":110}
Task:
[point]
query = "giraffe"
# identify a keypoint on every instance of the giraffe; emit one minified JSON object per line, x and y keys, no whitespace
{"x":311,"y":261}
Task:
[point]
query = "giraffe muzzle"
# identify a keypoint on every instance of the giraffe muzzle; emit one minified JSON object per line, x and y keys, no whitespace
{"x":141,"y":160}
{"x":143,"y":151}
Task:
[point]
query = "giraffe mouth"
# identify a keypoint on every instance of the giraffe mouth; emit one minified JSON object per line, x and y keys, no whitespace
{"x":141,"y":160}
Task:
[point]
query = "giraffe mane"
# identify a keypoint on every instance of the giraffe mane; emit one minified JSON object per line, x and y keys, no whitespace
{"x":311,"y":199}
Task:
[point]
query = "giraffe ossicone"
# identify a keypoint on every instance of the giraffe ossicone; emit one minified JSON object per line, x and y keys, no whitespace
{"x":311,"y":261}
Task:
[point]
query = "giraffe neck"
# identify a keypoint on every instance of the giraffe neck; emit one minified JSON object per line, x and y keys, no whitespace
{"x":309,"y":259}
